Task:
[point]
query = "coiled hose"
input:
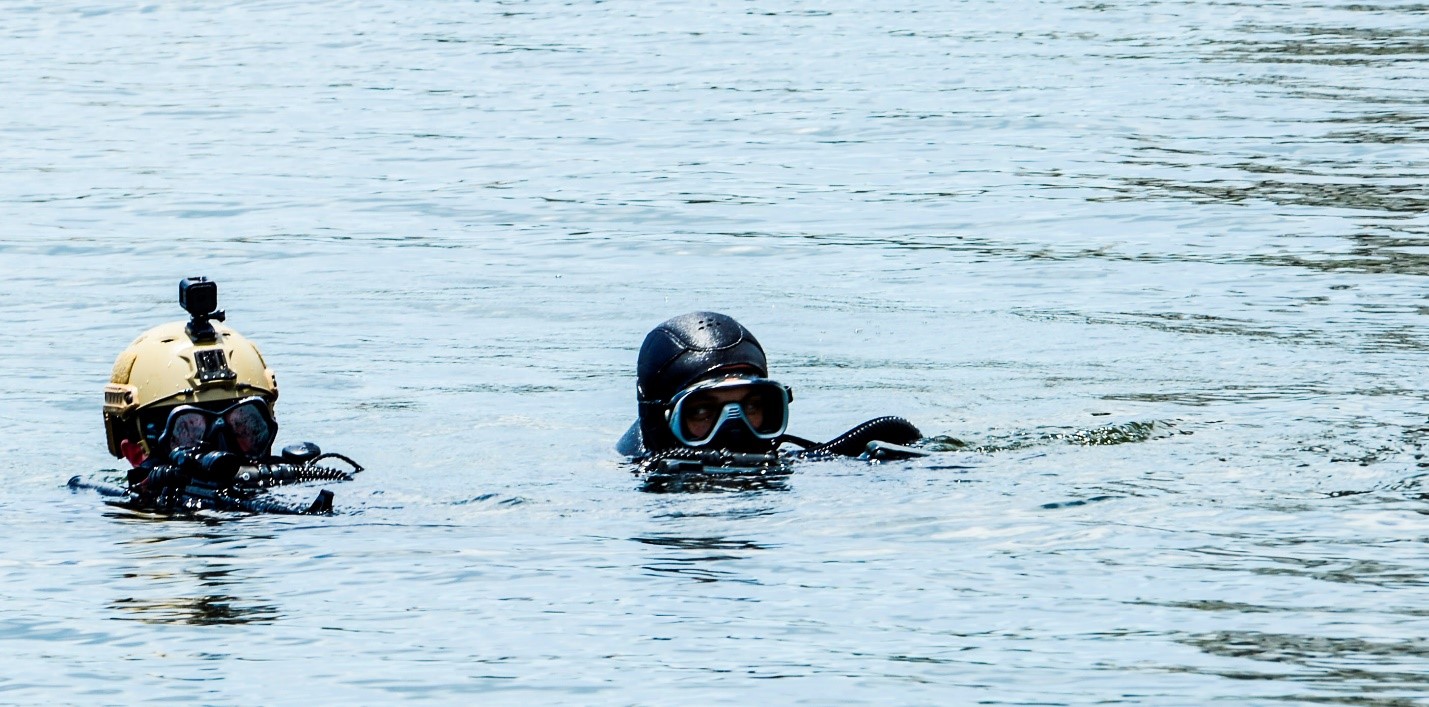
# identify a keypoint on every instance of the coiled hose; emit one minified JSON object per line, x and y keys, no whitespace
{"x":265,"y":475}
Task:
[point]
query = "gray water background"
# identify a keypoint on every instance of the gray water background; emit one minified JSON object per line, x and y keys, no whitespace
{"x":1154,"y":270}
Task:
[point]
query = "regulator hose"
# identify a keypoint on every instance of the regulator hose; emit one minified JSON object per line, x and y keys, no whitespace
{"x":891,"y":429}
{"x":110,"y":490}
{"x":264,"y":475}
{"x":356,"y":468}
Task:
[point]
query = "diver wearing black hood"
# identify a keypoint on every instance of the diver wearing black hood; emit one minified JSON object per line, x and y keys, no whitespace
{"x":702,"y":386}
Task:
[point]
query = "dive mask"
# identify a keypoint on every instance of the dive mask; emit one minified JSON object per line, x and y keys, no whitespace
{"x":246,"y":427}
{"x":699,"y":413}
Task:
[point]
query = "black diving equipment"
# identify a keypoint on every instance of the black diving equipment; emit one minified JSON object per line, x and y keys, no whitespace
{"x":246,"y":427}
{"x":199,"y":297}
{"x":196,"y":481}
{"x":879,"y":451}
{"x":191,"y":473}
{"x":721,"y":412}
{"x":718,"y":468}
{"x":218,"y":468}
{"x":302,"y":453}
{"x":689,"y":470}
{"x":880,"y":439}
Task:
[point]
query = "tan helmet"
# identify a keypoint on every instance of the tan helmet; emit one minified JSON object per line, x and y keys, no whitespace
{"x":168,"y":366}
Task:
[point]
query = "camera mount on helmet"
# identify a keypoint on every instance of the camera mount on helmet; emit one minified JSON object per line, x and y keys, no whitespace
{"x":199,"y":296}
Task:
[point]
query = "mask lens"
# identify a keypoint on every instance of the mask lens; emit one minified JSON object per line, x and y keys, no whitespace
{"x":250,"y":427}
{"x":187,"y":428}
{"x":764,"y":408}
{"x":699,"y":414}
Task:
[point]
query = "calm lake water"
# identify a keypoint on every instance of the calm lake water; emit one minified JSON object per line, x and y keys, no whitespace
{"x":1153,"y":275}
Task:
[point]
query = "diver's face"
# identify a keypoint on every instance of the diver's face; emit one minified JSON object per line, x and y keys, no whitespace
{"x":702,"y":409}
{"x":245,"y":427}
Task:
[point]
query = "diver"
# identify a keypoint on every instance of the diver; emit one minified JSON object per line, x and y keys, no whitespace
{"x":190,"y":406}
{"x":704,"y":397}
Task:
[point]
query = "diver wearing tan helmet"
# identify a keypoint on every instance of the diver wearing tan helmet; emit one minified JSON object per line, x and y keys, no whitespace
{"x":202,"y":365}
{"x":192,"y":403}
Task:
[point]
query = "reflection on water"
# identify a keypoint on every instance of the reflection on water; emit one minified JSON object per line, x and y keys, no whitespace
{"x":201,"y":610}
{"x":700,"y":558}
{"x":1375,"y":256}
{"x":1339,"y":569}
{"x":1355,"y":194}
{"x":1330,"y":45}
{"x":1106,"y":435}
{"x":1149,"y":274}
{"x":701,"y":543}
{"x":1378,"y":672}
{"x":191,"y":577}
{"x":1347,"y":149}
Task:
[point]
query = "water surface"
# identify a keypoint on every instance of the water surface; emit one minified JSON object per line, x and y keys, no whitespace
{"x":1153,"y":270}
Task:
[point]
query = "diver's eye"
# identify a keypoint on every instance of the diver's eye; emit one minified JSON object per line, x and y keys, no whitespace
{"x":249,"y":427}
{"x":188,"y":429}
{"x":761,"y":400}
{"x":702,"y":407}
{"x":701,"y":412}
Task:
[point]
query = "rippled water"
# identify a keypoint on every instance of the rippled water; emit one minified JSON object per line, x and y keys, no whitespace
{"x":1150,"y":273}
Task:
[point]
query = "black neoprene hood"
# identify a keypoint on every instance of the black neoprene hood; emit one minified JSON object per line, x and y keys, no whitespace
{"x":686,"y":348}
{"x":681,"y":351}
